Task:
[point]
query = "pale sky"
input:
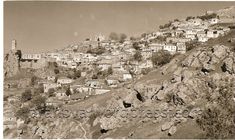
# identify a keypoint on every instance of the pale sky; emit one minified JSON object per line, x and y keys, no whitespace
{"x":45,"y":26}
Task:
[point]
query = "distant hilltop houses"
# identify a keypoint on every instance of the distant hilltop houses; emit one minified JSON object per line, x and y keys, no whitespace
{"x":116,"y":59}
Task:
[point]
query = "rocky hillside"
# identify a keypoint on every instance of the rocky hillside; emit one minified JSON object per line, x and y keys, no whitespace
{"x":163,"y":104}
{"x":226,"y":12}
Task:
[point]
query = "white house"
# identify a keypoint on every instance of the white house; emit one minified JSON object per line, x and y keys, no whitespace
{"x":170,"y":47}
{"x":212,"y":34}
{"x":213,"y":20}
{"x":50,"y":85}
{"x":32,"y":56}
{"x":146,"y":53}
{"x":64,"y":81}
{"x":127,"y":76}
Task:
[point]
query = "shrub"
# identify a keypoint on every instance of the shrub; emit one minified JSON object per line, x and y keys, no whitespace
{"x":217,"y":120}
{"x":26,"y":95}
{"x":68,"y":92}
{"x":138,"y":56}
{"x":56,"y":71}
{"x":33,"y":80}
{"x":136,"y":46}
{"x":39,"y":103}
{"x":110,"y":71}
{"x":77,"y":74}
{"x":161,"y":57}
{"x":51,"y":92}
{"x":22,"y":113}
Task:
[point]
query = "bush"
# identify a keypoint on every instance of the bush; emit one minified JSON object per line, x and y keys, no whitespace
{"x":56,"y":71}
{"x":26,"y":95}
{"x":218,"y":119}
{"x":160,"y":58}
{"x":145,"y":71}
{"x":110,"y":71}
{"x":191,"y":45}
{"x":33,"y":80}
{"x":122,"y":38}
{"x":51,"y":92}
{"x":208,"y":16}
{"x":22,"y":113}
{"x":68,"y":92}
{"x":113,"y":36}
{"x":136,"y":46}
{"x":39,"y":103}
{"x":77,"y":74}
{"x":138,"y":56}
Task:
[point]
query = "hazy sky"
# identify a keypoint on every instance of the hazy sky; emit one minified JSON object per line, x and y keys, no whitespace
{"x":44,"y":26}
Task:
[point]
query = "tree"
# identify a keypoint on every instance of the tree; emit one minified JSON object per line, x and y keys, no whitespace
{"x":51,"y":92}
{"x":77,"y":74}
{"x":19,"y":54}
{"x":40,"y":89}
{"x":143,"y":35}
{"x":138,"y":56}
{"x":33,"y":80}
{"x":113,"y":36}
{"x":26,"y":95}
{"x":39,"y":103}
{"x":22,"y":113}
{"x":136,"y":46}
{"x":56,"y":71}
{"x":176,"y":20}
{"x":218,"y":118}
{"x":68,"y":92}
{"x":161,"y":57}
{"x":122,"y":37}
{"x":110,"y":71}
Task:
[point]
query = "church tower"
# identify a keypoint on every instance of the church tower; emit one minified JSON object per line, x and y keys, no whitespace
{"x":13,"y":45}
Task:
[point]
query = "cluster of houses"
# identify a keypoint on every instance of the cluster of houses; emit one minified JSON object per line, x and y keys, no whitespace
{"x":180,"y":32}
{"x":118,"y":56}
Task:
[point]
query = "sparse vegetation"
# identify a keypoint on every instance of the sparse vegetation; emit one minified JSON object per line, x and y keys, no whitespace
{"x":138,"y":56}
{"x":208,"y":16}
{"x":26,"y":95}
{"x":160,"y":58}
{"x":217,"y":120}
{"x":136,"y":46}
{"x":39,"y":102}
{"x":23,"y":113}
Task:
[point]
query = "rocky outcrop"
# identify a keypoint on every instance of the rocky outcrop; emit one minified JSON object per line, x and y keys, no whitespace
{"x":11,"y":64}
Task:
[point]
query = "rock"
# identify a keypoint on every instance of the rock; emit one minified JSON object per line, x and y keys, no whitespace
{"x":167,"y":126}
{"x":160,"y":95}
{"x":228,"y":65}
{"x":194,"y":113}
{"x":172,"y":130}
{"x":11,"y":64}
{"x":208,"y":67}
{"x":220,"y":51}
{"x":196,"y":63}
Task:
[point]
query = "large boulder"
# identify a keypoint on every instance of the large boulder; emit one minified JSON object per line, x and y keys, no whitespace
{"x":167,"y":126}
{"x":228,"y":65}
{"x":220,"y":51}
{"x":172,"y":130}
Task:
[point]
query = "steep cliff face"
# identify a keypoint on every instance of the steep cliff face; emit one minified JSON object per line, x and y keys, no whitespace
{"x":11,"y":64}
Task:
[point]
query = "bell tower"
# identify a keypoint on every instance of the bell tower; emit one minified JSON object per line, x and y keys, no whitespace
{"x":13,"y":45}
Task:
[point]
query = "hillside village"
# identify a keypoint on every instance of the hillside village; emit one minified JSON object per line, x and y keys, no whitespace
{"x":98,"y":66}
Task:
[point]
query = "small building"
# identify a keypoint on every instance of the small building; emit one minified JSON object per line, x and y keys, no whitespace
{"x":213,"y":20}
{"x":127,"y":76}
{"x":49,"y":85}
{"x":181,"y":48}
{"x":64,"y":81}
{"x":212,"y":34}
{"x":170,"y":48}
